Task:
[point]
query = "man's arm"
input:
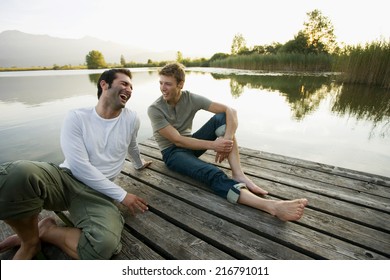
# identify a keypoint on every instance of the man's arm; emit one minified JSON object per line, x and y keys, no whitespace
{"x":231,"y":126}
{"x":231,"y":118}
{"x":220,"y":145}
{"x":133,"y":150}
{"x":78,"y":161}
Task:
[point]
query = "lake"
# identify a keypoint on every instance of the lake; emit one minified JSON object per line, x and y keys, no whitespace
{"x":307,"y":116}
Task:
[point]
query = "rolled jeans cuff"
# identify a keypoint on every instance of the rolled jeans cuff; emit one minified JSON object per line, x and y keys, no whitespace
{"x":234,"y":192}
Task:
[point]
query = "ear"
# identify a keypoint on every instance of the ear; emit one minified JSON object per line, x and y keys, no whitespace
{"x":180,"y":85}
{"x":104,"y":84}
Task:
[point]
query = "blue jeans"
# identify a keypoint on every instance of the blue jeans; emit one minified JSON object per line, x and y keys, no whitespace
{"x":186,"y":161}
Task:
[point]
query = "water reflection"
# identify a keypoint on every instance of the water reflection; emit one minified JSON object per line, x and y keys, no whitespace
{"x":365,"y":104}
{"x":304,"y":95}
{"x":308,"y":117}
{"x":94,"y":78}
{"x":34,"y":90}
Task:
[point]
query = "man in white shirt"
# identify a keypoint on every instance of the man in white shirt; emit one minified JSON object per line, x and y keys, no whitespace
{"x":95,"y":142}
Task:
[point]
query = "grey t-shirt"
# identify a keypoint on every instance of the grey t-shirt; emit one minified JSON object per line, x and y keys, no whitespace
{"x":162,"y":114}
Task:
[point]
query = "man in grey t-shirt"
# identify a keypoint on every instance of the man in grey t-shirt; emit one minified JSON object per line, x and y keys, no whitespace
{"x":171,"y":116}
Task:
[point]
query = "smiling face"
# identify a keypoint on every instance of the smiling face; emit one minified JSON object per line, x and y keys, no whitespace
{"x":119,"y":92}
{"x":170,"y":89}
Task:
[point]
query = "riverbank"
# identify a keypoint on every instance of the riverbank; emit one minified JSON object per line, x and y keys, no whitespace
{"x":366,"y":65}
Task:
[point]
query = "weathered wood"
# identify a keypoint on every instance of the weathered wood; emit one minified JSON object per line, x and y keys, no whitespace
{"x":169,"y":240}
{"x":296,"y":235}
{"x":323,"y":222}
{"x":347,"y":216}
{"x":134,"y":249}
{"x":233,"y":240}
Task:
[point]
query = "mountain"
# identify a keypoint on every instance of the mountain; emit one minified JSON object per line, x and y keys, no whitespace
{"x":21,"y":49}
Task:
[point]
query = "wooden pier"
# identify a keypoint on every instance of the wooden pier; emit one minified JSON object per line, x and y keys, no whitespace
{"x":348,"y":216}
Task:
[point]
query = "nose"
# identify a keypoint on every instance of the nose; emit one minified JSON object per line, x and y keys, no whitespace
{"x":129,"y":88}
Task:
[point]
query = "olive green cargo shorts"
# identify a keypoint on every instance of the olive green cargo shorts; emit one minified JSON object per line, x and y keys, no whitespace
{"x":27,"y":187}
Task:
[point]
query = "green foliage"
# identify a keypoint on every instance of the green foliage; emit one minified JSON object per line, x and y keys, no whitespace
{"x":319,"y":32}
{"x":297,"y":45}
{"x":313,"y":49}
{"x":122,"y":61}
{"x":95,"y":60}
{"x":369,"y":64}
{"x":179,"y":57}
{"x":277,"y":62}
{"x":238,"y":44}
{"x":218,"y":56}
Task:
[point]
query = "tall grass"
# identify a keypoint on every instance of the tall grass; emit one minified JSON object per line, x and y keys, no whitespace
{"x":277,"y":62}
{"x":369,"y":64}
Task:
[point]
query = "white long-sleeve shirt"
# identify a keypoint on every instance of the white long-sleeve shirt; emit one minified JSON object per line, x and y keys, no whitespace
{"x":95,"y":149}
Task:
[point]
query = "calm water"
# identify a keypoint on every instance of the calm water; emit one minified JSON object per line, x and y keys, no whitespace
{"x":305,"y":116}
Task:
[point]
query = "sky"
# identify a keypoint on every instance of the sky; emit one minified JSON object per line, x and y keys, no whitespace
{"x":193,"y":27}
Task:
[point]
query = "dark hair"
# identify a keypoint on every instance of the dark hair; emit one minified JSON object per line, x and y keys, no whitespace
{"x":175,"y":70}
{"x":109,"y":76}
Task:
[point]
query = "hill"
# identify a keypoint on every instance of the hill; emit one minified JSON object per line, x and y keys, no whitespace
{"x":19,"y":49}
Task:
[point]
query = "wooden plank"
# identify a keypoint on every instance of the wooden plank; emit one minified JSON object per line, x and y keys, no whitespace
{"x":351,"y":223}
{"x":134,"y":249}
{"x":339,"y":180}
{"x":354,"y":196}
{"x":325,"y":168}
{"x":321,"y":202}
{"x":170,"y":241}
{"x":289,"y":165}
{"x":233,"y":240}
{"x":293,"y":235}
{"x":347,"y":216}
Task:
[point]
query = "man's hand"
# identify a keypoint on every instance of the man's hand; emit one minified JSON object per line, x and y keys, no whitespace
{"x":145,"y":164}
{"x":135,"y":204}
{"x":222,"y":145}
{"x":220,"y":157}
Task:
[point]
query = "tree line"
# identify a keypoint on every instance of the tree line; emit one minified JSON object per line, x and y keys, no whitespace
{"x":313,"y":48}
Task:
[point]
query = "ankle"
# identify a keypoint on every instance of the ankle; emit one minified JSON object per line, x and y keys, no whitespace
{"x":27,"y":250}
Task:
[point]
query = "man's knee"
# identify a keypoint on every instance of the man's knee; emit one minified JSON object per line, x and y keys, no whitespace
{"x":221,"y":118}
{"x":221,"y":124}
{"x":99,"y":244}
{"x":19,"y":190}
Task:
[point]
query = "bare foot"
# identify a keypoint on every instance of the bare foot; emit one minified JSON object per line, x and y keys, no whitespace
{"x":250,"y":185}
{"x":9,"y":243}
{"x":291,"y":210}
{"x":14,"y":240}
{"x":45,"y":225}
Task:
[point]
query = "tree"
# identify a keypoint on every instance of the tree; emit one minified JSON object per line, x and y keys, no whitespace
{"x":123,"y":60}
{"x":179,"y":57}
{"x":297,"y":45}
{"x":319,"y":31}
{"x":258,"y":49}
{"x":273,"y":48}
{"x":238,"y":44}
{"x":219,"y":56}
{"x":95,"y":60}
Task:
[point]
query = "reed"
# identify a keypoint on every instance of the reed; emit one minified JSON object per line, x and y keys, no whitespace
{"x":277,"y":62}
{"x":369,"y":64}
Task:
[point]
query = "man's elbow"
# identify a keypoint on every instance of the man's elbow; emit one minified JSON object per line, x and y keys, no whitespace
{"x":233,"y":111}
